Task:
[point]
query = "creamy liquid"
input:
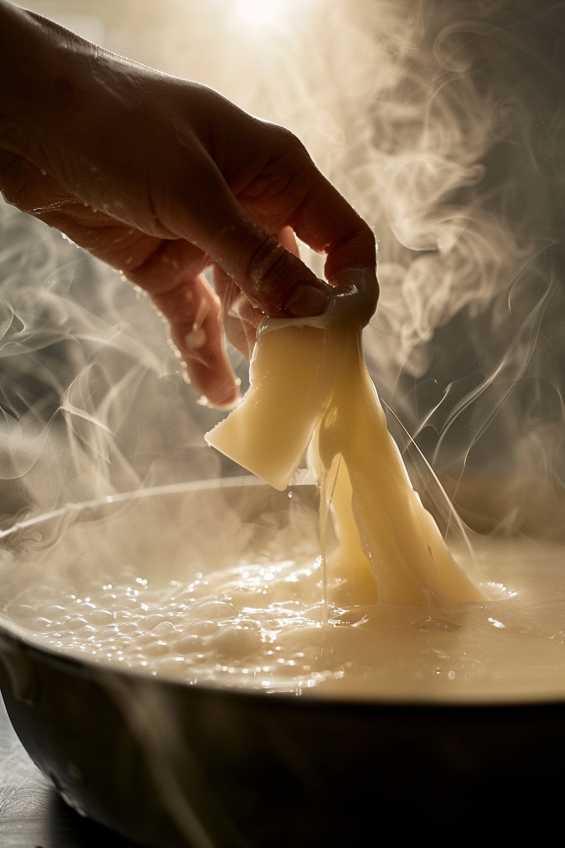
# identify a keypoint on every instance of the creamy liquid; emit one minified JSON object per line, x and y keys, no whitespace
{"x":308,"y":380}
{"x":264,"y":625}
{"x":390,"y":615}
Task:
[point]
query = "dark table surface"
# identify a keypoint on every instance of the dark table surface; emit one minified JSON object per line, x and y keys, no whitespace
{"x":31,"y":813}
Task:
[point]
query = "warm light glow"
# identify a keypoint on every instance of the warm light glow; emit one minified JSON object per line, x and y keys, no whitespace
{"x":263,"y":14}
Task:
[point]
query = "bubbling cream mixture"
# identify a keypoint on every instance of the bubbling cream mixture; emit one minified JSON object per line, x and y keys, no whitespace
{"x":264,"y":625}
{"x":389,"y":614}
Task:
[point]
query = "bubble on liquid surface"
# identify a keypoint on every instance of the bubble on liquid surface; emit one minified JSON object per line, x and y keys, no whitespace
{"x":265,"y":626}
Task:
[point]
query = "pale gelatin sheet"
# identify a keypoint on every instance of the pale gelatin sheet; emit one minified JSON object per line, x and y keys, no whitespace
{"x":310,"y":378}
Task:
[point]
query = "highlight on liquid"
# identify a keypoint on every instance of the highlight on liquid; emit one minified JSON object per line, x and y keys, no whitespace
{"x":264,"y":625}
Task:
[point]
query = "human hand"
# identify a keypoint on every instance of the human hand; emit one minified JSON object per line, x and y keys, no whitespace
{"x":161,"y":178}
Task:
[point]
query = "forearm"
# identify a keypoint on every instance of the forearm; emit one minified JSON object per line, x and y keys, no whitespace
{"x":48,"y":78}
{"x":30,"y":59}
{"x":56,"y":90}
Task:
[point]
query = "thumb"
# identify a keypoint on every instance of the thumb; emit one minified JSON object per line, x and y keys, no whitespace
{"x":273,"y":279}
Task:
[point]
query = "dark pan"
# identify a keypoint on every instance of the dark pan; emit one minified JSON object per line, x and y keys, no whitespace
{"x":168,"y":764}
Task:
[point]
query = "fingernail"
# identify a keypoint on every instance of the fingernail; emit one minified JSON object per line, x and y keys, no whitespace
{"x":363,"y":280}
{"x":306,"y":301}
{"x":359,"y":291}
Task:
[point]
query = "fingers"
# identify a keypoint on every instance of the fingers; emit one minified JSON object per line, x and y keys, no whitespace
{"x":171,"y":277}
{"x":193,"y":312}
{"x":239,"y":318}
{"x":328,"y":224}
{"x":274,"y":280}
{"x":169,"y":271}
{"x":295,"y":193}
{"x":272,"y":277}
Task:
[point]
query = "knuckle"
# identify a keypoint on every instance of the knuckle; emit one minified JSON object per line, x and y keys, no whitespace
{"x":270,"y":271}
{"x":289,"y":142}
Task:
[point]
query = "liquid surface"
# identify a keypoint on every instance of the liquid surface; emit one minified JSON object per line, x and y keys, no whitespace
{"x":264,"y":625}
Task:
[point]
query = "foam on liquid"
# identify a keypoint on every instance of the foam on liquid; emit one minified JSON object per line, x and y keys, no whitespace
{"x":264,"y":625}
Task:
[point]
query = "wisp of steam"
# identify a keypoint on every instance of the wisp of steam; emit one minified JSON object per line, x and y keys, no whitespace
{"x":93,"y":402}
{"x":444,"y":125}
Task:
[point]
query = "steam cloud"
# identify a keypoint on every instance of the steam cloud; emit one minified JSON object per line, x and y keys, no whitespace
{"x":89,"y":405}
{"x":444,"y":125}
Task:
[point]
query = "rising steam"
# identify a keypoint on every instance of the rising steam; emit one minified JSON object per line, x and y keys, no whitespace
{"x":444,"y":125}
{"x":88,"y":408}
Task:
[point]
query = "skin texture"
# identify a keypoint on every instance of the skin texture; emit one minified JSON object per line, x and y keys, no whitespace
{"x":162,"y":178}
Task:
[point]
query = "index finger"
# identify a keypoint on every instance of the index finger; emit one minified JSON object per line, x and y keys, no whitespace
{"x":328,"y":224}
